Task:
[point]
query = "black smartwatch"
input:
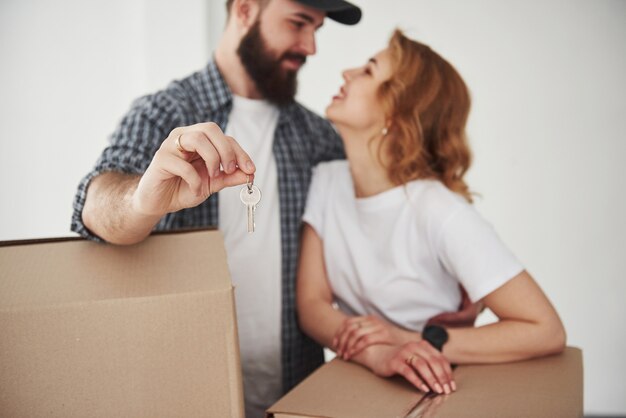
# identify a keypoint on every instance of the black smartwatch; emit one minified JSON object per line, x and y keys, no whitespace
{"x":436,"y":335}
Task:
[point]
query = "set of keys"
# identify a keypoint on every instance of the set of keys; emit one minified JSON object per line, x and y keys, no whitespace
{"x":250,"y":196}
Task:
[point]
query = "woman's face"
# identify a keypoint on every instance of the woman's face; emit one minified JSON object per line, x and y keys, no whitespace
{"x":356,"y":106}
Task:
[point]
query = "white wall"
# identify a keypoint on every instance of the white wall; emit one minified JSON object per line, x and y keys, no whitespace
{"x":547,"y":80}
{"x":69,"y":71}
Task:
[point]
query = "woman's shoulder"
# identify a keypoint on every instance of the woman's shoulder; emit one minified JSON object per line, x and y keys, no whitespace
{"x":325,"y":192}
{"x":434,"y":202}
{"x":329,"y":178}
{"x":434,"y":194}
{"x":330,"y":170}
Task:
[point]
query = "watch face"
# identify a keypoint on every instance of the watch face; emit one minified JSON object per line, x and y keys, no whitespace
{"x":437,"y":336}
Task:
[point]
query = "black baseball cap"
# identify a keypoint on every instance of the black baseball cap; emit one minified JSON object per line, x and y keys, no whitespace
{"x":338,"y":10}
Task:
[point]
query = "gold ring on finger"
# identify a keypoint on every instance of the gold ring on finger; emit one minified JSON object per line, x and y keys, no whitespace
{"x":409,"y":360}
{"x":179,"y":147}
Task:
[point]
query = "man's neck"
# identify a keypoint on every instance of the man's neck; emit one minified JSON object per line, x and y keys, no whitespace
{"x":233,"y":71}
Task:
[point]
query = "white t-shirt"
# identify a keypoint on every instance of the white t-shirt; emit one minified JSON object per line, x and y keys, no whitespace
{"x":254,"y":259}
{"x":401,"y":254}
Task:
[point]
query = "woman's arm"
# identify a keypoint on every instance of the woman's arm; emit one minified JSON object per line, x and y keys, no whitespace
{"x":316,"y":314}
{"x":528,"y":327}
{"x":321,"y":321}
{"x":314,"y":298}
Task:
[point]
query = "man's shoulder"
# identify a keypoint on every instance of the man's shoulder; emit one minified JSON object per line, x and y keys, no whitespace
{"x":315,"y":132}
{"x":300,"y":111}
{"x":182,"y":89}
{"x":199,"y":92}
{"x":177,"y":94}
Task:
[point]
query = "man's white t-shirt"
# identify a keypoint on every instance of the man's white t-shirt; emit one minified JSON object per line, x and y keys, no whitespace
{"x":254,"y":259}
{"x":401,"y":254}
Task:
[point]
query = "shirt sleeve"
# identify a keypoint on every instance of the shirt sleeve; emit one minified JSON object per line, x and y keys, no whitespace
{"x":314,"y":212}
{"x":471,"y":251}
{"x":132,"y":147}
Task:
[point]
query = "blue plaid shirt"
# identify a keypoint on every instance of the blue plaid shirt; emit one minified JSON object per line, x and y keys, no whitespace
{"x":301,"y":140}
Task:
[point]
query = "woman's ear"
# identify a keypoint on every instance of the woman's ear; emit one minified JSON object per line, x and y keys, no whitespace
{"x":245,"y":13}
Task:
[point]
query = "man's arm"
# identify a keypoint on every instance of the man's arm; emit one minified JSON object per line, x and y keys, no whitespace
{"x":108,"y":210}
{"x":192,"y":163}
{"x":464,"y":317}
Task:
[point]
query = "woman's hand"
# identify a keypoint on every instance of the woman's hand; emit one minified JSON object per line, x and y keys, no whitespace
{"x":359,"y":332}
{"x":418,"y":362}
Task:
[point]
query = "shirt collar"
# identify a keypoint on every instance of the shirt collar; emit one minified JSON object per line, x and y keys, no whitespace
{"x":216,"y":92}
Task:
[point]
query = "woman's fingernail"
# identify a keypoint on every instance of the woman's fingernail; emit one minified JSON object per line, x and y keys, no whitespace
{"x":438,"y":388}
{"x":425,"y":388}
{"x":446,"y":389}
{"x":453,"y":384}
{"x":250,"y":166}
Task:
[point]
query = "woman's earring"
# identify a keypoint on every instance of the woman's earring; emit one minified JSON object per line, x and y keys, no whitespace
{"x":384,"y":131}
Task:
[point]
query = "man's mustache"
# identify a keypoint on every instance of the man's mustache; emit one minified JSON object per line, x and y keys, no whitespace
{"x":294,"y":56}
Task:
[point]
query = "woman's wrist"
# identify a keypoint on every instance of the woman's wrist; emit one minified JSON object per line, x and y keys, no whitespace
{"x":407,"y":336}
{"x":368,"y":355}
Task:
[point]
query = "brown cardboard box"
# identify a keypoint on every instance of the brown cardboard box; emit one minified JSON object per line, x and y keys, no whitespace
{"x":545,"y":387}
{"x":93,"y":330}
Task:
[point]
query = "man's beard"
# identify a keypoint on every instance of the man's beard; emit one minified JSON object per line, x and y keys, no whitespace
{"x":277,"y":85}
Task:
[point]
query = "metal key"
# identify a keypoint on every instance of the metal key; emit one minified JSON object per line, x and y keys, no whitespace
{"x":250,"y":196}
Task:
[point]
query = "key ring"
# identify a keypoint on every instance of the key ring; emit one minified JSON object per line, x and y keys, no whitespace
{"x":249,"y":184}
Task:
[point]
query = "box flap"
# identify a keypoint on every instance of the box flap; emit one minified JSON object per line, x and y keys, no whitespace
{"x":544,"y":387}
{"x":88,"y":271}
{"x":108,"y":331}
{"x":348,"y":390}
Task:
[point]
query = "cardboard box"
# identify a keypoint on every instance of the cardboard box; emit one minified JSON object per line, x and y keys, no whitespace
{"x":545,"y":387}
{"x":94,"y":330}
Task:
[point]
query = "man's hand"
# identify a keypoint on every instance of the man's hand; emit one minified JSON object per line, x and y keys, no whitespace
{"x":465,"y":317}
{"x":179,"y":179}
{"x":124,"y":208}
{"x":359,"y":332}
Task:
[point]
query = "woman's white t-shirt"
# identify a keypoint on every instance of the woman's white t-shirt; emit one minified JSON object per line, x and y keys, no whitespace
{"x":401,"y":254}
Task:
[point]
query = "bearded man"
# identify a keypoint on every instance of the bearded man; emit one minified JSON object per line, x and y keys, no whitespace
{"x":176,"y":149}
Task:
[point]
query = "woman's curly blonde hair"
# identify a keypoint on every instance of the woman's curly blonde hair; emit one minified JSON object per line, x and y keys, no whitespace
{"x":426,"y":104}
